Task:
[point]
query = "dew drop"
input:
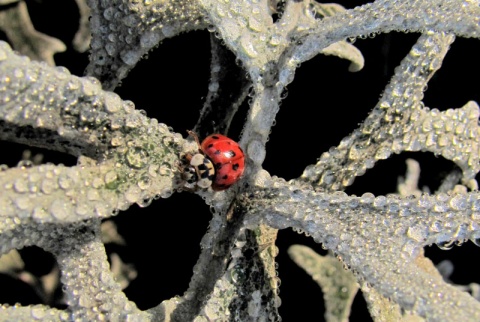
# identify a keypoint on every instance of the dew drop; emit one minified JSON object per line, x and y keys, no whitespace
{"x":166,"y":193}
{"x":111,"y":181}
{"x":39,"y":213}
{"x":20,"y":185}
{"x":81,"y":209}
{"x":130,"y":57}
{"x":137,"y":157}
{"x":380,"y":202}
{"x":59,"y":209}
{"x":165,"y":169}
{"x":248,"y":47}
{"x":145,"y":202}
{"x":25,"y":164}
{"x":38,"y":312}
{"x":47,"y":186}
{"x":65,"y":182}
{"x":132,"y":194}
{"x":144,"y":182}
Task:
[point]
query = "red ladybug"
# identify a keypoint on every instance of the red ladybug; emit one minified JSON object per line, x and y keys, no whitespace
{"x":227,"y":158}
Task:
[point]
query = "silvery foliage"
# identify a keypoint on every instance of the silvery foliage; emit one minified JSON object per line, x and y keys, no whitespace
{"x":124,"y":158}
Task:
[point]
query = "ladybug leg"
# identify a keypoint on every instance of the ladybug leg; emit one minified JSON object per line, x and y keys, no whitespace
{"x":195,"y":136}
{"x":188,"y":157}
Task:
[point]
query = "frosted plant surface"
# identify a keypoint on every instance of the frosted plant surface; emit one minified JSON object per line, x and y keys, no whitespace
{"x":127,"y":158}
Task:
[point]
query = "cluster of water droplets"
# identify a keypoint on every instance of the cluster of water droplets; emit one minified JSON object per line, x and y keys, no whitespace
{"x":346,"y":224}
{"x":396,"y":124}
{"x":33,"y":313}
{"x":249,"y":280}
{"x":58,"y":106}
{"x":127,"y":157}
{"x":240,"y":26}
{"x":249,"y":29}
{"x":454,"y":134}
{"x":124,"y":31}
{"x":82,"y":258}
{"x":397,"y":15}
{"x":372,"y":234}
{"x":124,"y":158}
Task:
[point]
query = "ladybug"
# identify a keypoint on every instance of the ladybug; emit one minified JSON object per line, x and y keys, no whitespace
{"x":219,"y":164}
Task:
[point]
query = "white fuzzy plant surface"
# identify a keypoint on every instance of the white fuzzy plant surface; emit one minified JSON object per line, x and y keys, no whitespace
{"x":323,"y":160}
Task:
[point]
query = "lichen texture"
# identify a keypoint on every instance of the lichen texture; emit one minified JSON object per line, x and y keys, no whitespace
{"x":375,"y":243}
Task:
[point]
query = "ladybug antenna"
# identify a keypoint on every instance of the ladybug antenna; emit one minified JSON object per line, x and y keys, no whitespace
{"x":195,"y":136}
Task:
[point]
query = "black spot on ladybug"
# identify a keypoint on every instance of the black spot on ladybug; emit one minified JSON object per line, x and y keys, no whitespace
{"x":210,"y":145}
{"x":232,"y":153}
{"x":229,"y":143}
{"x":215,"y":137}
{"x":217,"y":152}
{"x":218,"y":166}
{"x":225,"y":177}
{"x":235,"y":167}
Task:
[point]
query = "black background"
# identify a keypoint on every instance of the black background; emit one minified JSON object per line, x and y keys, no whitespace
{"x":171,"y":85}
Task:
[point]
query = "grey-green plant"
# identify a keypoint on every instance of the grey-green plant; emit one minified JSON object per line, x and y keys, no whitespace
{"x":126,"y":158}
